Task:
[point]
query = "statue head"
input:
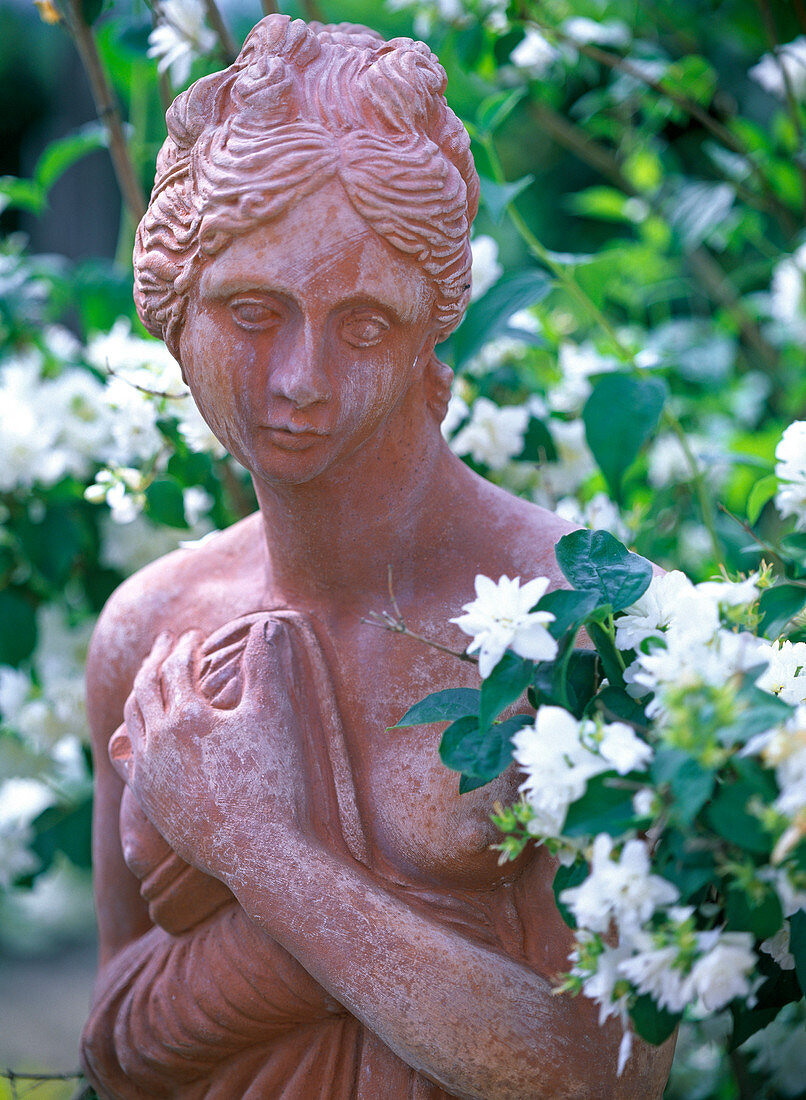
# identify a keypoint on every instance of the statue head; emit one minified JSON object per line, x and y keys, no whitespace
{"x":302,"y":105}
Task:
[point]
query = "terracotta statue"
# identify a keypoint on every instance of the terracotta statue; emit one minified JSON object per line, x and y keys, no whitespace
{"x":294,"y":900}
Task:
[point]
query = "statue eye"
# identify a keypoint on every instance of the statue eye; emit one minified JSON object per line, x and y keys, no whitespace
{"x":363,"y":330}
{"x":253,"y":313}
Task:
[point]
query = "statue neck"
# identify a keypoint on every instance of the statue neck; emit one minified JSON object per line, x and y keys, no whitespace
{"x":332,"y":540}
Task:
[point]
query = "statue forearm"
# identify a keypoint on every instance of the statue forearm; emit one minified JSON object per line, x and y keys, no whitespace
{"x":476,"y":1021}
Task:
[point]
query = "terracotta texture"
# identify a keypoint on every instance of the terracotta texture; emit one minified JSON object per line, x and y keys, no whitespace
{"x":294,"y":901}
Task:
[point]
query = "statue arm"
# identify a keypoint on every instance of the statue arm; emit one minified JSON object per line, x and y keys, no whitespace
{"x":478,"y":1021}
{"x":166,"y":1007}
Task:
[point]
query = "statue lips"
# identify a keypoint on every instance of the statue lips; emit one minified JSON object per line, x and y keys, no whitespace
{"x":290,"y":438}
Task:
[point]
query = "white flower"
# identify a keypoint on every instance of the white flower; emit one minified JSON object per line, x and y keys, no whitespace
{"x":731,"y":593}
{"x":486,"y":269}
{"x":723,"y":972}
{"x":609,"y":33}
{"x":575,"y":463}
{"x":197,"y":503}
{"x":600,"y":514}
{"x":790,"y":469}
{"x":792,"y":58}
{"x":787,"y":301}
{"x":599,"y":985}
{"x":121,"y":489}
{"x":129,"y":548}
{"x":501,"y":618}
{"x":577,"y":363}
{"x":534,"y":53}
{"x":494,"y":435}
{"x":643,"y":802}
{"x":785,"y":675}
{"x":653,"y":971}
{"x":179,"y":37}
{"x":622,"y":748}
{"x":557,"y":764}
{"x":667,"y":595}
{"x":622,"y":890}
{"x":777,"y":946}
{"x":458,"y":409}
{"x":687,"y":659}
{"x":15,"y":687}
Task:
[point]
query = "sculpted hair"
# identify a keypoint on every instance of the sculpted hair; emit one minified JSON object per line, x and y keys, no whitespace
{"x":302,"y":104}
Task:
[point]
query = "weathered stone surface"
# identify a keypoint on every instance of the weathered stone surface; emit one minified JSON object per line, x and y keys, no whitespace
{"x":294,"y":900}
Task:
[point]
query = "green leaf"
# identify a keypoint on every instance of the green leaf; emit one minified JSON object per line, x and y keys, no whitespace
{"x":603,"y":808}
{"x":797,"y":944}
{"x":763,"y":490}
{"x":727,"y":815}
{"x":17,"y":628}
{"x":489,"y":316}
{"x":90,"y":10}
{"x":538,"y":446}
{"x":653,"y":1024}
{"x":569,"y":607}
{"x":482,"y":755}
{"x":62,"y":154}
{"x":616,"y":705}
{"x":67,"y":830}
{"x":692,"y":77}
{"x":442,"y":706}
{"x":620,"y":415}
{"x":778,"y":605}
{"x":24,"y":194}
{"x":495,"y":109}
{"x":596,"y":561}
{"x":762,"y":915}
{"x":506,"y":683}
{"x":566,"y":878}
{"x":690,"y":783}
{"x":497,"y":196}
{"x":165,"y":503}
{"x":608,"y":654}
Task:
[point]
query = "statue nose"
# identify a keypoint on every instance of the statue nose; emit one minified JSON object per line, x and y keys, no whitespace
{"x":301,"y":378}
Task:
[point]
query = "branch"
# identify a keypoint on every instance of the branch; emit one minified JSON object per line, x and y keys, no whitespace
{"x":269,"y":7}
{"x":692,"y":108}
{"x":396,"y":625}
{"x":107,"y":110}
{"x":226,"y":42}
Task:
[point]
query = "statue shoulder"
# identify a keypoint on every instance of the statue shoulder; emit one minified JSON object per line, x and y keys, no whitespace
{"x":178,"y":592}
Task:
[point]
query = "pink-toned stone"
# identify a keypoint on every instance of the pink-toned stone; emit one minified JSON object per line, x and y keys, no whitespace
{"x":294,"y":901}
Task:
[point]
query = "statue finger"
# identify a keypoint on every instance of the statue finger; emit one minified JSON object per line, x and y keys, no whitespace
{"x":120,"y":752}
{"x":180,"y":670}
{"x":147,"y":685}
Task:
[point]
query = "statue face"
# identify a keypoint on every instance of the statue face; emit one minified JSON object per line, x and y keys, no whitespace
{"x":305,"y":337}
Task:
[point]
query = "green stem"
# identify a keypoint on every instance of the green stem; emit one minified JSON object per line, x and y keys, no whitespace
{"x":698,"y":481}
{"x":570,"y":284}
{"x":557,"y":269}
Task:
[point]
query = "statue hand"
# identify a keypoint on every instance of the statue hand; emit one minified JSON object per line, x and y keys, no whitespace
{"x":214,"y":781}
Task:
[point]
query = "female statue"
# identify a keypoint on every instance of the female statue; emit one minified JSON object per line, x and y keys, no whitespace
{"x":294,"y":900}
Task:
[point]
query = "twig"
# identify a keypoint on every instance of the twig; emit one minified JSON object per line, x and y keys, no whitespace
{"x":800,"y":11}
{"x":145,"y":389}
{"x":712,"y":278}
{"x":226,"y":42}
{"x":269,"y":7}
{"x":789,"y":92}
{"x":384,"y":621}
{"x":396,"y":625}
{"x":312,"y":11}
{"x":107,"y":110}
{"x":720,"y":132}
